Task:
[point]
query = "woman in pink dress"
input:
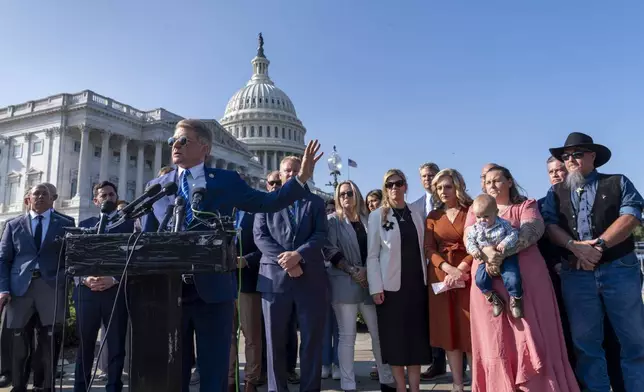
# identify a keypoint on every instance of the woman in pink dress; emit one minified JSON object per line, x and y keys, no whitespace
{"x":527,"y":354}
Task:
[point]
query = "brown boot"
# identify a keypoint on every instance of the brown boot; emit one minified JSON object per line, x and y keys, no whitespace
{"x":497,"y":303}
{"x":516,"y":307}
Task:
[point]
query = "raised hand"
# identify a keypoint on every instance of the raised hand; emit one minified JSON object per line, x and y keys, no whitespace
{"x":309,"y":159}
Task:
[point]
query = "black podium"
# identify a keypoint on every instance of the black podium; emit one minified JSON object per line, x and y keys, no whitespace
{"x":153,"y":288}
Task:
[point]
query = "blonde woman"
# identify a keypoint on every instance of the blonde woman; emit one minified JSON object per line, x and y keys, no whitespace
{"x":397,"y":276}
{"x":346,"y":249}
{"x":449,"y":329}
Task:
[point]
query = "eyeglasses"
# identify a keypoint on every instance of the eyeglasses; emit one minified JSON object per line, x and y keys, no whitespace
{"x":397,"y":184}
{"x":182,"y":141}
{"x":276,"y":182}
{"x":575,"y":154}
{"x":346,"y":194}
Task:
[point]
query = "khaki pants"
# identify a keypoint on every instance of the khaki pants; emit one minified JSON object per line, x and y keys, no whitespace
{"x":250,"y":307}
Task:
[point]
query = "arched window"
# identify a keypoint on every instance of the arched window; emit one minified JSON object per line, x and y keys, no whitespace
{"x":244,"y":132}
{"x":277,"y":132}
{"x":268,"y":131}
{"x":289,"y":134}
{"x":260,"y":131}
{"x":252,"y":131}
{"x":283,"y":133}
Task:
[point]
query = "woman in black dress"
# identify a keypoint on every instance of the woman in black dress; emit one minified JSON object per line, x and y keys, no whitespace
{"x":397,"y":275}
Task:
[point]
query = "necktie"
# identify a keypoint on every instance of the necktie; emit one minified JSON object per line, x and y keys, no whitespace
{"x":38,"y":232}
{"x":185,"y":193}
{"x":292,"y":218}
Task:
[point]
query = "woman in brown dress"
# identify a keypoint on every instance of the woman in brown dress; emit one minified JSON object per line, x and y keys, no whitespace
{"x":449,"y":325}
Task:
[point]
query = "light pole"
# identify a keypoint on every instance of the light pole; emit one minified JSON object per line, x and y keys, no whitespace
{"x":335,"y":164}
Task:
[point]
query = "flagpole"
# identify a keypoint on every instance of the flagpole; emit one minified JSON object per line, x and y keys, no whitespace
{"x":349,"y":172}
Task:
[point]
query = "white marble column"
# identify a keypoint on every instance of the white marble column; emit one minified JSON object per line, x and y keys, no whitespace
{"x":275,"y":167}
{"x":265,"y":161}
{"x":140,"y":162}
{"x":123,"y":168}
{"x":5,"y":147}
{"x":158,"y":155}
{"x":105,"y":156}
{"x":83,"y":173}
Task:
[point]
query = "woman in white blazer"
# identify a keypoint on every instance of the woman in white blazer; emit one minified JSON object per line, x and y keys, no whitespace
{"x":397,"y":276}
{"x":346,"y":249}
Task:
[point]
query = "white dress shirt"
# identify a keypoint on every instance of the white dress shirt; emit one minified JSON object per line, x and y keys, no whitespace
{"x":429,"y":203}
{"x":196,"y":179}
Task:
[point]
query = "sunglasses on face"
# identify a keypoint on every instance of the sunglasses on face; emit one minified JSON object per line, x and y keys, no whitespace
{"x":575,"y":155}
{"x":182,"y":141}
{"x":276,"y":182}
{"x":397,"y":184}
{"x":346,"y":194}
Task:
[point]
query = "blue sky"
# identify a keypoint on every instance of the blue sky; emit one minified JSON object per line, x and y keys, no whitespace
{"x":392,"y":84}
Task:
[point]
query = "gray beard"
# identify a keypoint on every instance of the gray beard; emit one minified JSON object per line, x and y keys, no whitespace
{"x":575,"y":180}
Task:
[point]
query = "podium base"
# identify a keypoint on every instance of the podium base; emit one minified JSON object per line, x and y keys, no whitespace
{"x":155,"y":313}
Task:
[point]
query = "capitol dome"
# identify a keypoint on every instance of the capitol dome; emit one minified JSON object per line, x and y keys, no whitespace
{"x":264,"y":118}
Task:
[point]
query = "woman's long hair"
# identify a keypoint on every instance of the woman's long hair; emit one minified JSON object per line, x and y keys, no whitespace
{"x":359,"y":206}
{"x":464,"y":200}
{"x":374,"y":192}
{"x":386,"y":204}
{"x":517,"y":193}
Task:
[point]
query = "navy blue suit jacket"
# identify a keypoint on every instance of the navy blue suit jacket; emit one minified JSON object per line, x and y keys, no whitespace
{"x":251,"y":254}
{"x":274,"y":235}
{"x":19,"y":256}
{"x":225,"y":190}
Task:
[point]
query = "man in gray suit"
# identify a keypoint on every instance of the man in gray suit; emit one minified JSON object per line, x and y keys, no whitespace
{"x":32,"y":281}
{"x":291,"y":273}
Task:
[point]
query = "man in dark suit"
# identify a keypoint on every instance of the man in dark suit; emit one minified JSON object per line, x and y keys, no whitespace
{"x":32,"y":281}
{"x":207,"y":299}
{"x":96,"y":297}
{"x":291,"y":273}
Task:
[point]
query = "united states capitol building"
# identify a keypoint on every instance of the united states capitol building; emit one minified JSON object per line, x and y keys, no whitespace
{"x":76,"y":140}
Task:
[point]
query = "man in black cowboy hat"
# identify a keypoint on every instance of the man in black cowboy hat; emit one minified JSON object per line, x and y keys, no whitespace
{"x":592,"y":216}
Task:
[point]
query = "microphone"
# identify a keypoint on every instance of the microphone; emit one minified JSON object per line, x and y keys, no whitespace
{"x":153,"y":190}
{"x":166,"y":218}
{"x":168,"y":189}
{"x":106,"y":208}
{"x":197,"y":197}
{"x":179,"y":213}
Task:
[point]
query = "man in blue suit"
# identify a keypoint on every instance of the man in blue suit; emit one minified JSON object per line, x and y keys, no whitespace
{"x":95,"y":297}
{"x":32,"y":281}
{"x":291,"y":273}
{"x":207,"y":299}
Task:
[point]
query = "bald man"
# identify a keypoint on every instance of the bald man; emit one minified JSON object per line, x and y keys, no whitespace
{"x":54,"y":196}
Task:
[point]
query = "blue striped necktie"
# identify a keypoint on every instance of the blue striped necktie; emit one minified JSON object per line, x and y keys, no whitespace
{"x":292,"y":215}
{"x":185,"y":193}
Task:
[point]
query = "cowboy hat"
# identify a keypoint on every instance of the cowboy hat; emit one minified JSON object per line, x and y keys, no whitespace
{"x":583,"y":141}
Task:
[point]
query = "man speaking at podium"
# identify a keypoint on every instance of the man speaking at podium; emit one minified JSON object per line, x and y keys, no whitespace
{"x":207,"y":299}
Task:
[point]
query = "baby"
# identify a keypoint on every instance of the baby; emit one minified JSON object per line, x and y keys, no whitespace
{"x":490,"y":230}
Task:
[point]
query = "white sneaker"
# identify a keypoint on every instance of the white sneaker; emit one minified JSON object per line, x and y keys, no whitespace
{"x":326,"y":371}
{"x":336,"y":372}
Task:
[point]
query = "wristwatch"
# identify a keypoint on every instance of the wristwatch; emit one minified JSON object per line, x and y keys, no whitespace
{"x":602,"y":244}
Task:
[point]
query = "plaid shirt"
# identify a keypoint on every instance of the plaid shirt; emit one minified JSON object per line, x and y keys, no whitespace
{"x":501,"y":232}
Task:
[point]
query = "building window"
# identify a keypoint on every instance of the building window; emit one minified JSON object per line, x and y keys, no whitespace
{"x":260,"y":131}
{"x":236,"y":131}
{"x":77,"y":146}
{"x":17,"y":151}
{"x":34,"y":179}
{"x":289,"y":134}
{"x":283,"y":133}
{"x":131,"y":191}
{"x":14,"y":196}
{"x":97,"y":152}
{"x":36,"y":148}
{"x":244,"y":132}
{"x":73,"y":187}
{"x":148,"y":164}
{"x":268,"y":131}
{"x":277,"y":132}
{"x":116,"y":156}
{"x":132,"y":160}
{"x":252,"y":131}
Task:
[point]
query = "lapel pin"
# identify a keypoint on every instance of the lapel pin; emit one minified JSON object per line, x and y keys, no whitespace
{"x":211,"y":175}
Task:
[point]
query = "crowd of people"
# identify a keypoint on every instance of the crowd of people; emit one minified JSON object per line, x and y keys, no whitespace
{"x":556,"y":303}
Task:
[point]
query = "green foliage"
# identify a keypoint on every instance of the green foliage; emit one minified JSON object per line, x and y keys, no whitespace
{"x":71,"y":338}
{"x":639,"y":233}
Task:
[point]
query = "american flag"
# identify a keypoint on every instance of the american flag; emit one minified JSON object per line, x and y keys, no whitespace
{"x":352,"y":163}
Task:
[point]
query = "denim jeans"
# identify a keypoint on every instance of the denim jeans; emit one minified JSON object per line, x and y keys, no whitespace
{"x":509,"y":273}
{"x":615,"y":290}
{"x":330,"y":344}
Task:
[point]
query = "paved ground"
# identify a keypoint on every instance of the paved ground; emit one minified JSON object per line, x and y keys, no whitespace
{"x":364,"y":362}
